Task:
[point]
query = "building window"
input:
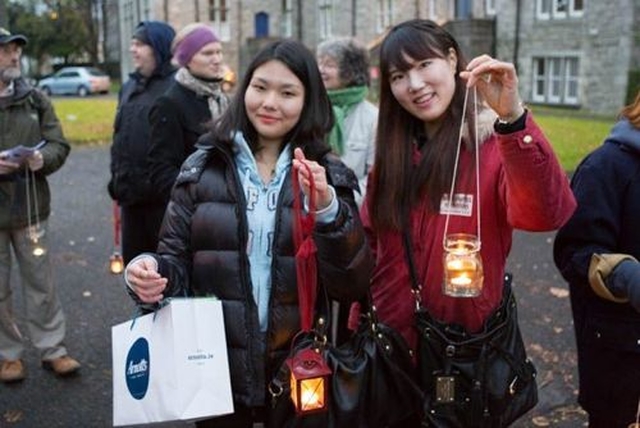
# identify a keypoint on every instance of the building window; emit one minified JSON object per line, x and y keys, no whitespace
{"x":490,"y":7}
{"x":543,"y":9}
{"x":577,"y":7}
{"x":384,"y":16}
{"x":431,"y":10}
{"x":555,"y":80}
{"x":571,"y":81}
{"x":326,"y":18}
{"x":559,"y":9}
{"x":219,"y":18}
{"x":463,"y":9}
{"x":287,"y":18}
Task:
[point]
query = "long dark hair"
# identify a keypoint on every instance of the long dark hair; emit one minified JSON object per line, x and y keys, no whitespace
{"x":316,"y":119}
{"x":397,"y":183}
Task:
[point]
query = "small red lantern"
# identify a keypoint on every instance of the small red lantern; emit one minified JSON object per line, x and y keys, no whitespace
{"x":309,"y":381}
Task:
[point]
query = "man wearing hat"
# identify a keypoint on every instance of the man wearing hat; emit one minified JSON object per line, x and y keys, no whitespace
{"x":26,"y":119}
{"x":142,"y":208}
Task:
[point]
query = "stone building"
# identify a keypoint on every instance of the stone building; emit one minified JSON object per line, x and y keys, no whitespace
{"x":576,"y":53}
{"x":573,"y":53}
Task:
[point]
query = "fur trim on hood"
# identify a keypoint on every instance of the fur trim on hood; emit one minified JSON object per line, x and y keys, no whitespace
{"x":486,"y":120}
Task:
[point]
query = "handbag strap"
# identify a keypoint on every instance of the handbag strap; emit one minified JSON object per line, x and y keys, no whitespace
{"x":416,"y":287}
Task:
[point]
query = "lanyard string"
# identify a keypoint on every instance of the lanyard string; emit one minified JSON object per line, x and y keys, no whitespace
{"x":116,"y":224}
{"x":455,"y":167}
{"x":30,"y":182}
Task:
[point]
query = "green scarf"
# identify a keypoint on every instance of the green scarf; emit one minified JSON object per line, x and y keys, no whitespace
{"x":342,"y":101}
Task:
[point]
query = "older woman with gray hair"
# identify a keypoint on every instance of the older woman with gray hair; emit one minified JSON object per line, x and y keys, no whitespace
{"x":344,"y":66}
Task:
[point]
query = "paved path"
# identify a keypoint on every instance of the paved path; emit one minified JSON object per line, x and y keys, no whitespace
{"x":94,"y":300}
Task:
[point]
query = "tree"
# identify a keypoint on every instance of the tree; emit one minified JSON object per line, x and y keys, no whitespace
{"x":54,"y":28}
{"x":4,"y":20}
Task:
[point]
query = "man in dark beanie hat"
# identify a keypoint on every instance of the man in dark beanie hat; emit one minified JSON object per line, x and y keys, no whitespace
{"x":27,"y":118}
{"x":142,"y":209}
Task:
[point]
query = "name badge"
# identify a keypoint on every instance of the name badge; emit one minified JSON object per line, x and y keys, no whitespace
{"x":461,"y":205}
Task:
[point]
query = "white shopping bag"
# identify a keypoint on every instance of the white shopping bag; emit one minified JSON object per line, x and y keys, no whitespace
{"x":172,"y":364}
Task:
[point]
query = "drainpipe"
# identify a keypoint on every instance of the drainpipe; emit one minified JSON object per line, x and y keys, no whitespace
{"x":300,"y":21}
{"x":354,"y":4}
{"x":516,"y":43}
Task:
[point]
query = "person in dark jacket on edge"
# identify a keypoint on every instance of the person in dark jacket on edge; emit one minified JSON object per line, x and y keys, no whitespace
{"x":142,"y":208}
{"x":228,"y":227}
{"x":190,"y":105}
{"x":27,"y":118}
{"x":597,"y":252}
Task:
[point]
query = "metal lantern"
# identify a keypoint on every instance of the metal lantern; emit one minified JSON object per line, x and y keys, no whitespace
{"x":463,"y":273}
{"x":116,"y":263}
{"x":309,"y":381}
{"x":35,"y":233}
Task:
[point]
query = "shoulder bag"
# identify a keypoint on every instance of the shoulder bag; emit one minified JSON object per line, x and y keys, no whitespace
{"x":482,"y":379}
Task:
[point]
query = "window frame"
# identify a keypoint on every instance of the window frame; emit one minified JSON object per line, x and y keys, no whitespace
{"x":325,"y":19}
{"x":559,"y":74}
{"x":287,"y":18}
{"x":384,"y":15}
{"x":218,"y":17}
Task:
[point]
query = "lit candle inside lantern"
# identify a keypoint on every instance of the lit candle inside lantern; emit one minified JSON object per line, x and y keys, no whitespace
{"x":463,"y":276}
{"x":312,"y":395}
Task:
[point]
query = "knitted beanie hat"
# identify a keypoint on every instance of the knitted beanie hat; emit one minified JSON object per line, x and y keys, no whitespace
{"x":190,"y":40}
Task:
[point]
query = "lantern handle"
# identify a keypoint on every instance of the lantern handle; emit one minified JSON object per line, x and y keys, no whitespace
{"x":455,"y":166}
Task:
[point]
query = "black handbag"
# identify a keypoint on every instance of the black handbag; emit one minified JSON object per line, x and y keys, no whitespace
{"x":482,"y":379}
{"x":373,"y":381}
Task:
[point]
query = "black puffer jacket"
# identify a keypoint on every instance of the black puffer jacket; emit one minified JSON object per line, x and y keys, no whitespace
{"x":203,"y":251}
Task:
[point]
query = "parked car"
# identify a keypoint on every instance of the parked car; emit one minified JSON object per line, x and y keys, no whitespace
{"x":81,"y":81}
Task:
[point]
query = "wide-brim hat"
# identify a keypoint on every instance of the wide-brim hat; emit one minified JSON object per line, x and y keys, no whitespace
{"x":6,"y":37}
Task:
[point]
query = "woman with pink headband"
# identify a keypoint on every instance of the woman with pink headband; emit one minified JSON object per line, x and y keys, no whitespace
{"x":190,"y":105}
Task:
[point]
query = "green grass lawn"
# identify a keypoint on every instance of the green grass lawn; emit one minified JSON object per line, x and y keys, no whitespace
{"x":86,"y":120}
{"x":572,"y":133}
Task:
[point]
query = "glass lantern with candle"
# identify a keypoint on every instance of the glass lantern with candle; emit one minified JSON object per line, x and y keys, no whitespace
{"x":463,"y":273}
{"x":309,"y":381}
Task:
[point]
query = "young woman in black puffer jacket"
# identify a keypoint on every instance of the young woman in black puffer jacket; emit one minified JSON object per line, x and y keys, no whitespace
{"x":228,"y":227}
